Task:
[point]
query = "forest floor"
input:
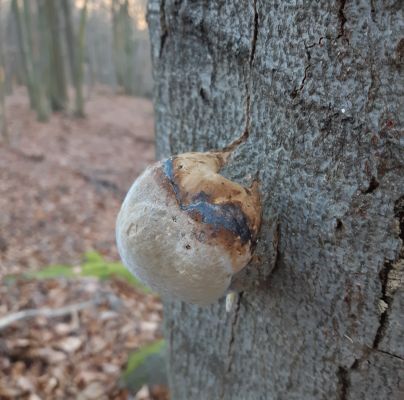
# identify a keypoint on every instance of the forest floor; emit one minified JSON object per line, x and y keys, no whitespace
{"x":61,"y":185}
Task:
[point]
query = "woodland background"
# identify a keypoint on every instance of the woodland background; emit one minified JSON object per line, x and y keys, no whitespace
{"x":76,"y":127}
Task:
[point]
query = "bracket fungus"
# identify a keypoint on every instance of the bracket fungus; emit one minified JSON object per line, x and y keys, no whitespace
{"x":185,"y":230}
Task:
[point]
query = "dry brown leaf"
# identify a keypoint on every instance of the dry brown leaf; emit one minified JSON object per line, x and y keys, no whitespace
{"x":110,"y":369}
{"x":93,"y":391}
{"x":51,"y":384}
{"x":69,"y":344}
{"x":49,"y":355}
{"x":149,"y":326}
{"x":64,"y":329}
{"x":9,"y":392}
{"x":85,"y":377}
{"x":34,"y":396}
{"x":25,"y":384}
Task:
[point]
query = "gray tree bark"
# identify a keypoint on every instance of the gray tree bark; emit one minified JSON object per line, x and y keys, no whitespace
{"x":318,"y":87}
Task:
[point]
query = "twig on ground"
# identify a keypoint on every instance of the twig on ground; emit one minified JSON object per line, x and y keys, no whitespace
{"x":45,"y":312}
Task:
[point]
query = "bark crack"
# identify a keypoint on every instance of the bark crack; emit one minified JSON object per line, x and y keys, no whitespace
{"x":246,"y":131}
{"x":385,"y":275}
{"x":230,"y":347}
{"x":390,"y":354}
{"x":373,"y":87}
{"x":163,"y":27}
{"x":304,"y":78}
{"x":254,"y":37}
{"x":276,"y":244}
{"x":310,"y":46}
{"x":255,"y":34}
{"x":343,"y":383}
{"x":341,"y":18}
{"x":384,"y":316}
{"x":296,"y":91}
{"x":387,"y":295}
{"x":319,"y":43}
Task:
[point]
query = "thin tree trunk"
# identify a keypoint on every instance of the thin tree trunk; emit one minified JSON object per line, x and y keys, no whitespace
{"x":122,"y":39}
{"x":70,"y":40}
{"x":58,"y":89}
{"x":41,"y":106}
{"x":80,"y":62}
{"x":43,"y":60}
{"x":128,"y":48}
{"x":25,"y":54}
{"x":3,"y":121}
{"x":115,"y":9}
{"x":92,"y":67}
{"x":318,"y":88}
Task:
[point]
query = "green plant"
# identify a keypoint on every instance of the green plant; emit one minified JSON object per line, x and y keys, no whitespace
{"x":93,"y":265}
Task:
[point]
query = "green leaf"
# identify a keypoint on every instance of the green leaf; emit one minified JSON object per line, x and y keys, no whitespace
{"x":53,"y":271}
{"x":92,"y":257}
{"x":93,"y":265}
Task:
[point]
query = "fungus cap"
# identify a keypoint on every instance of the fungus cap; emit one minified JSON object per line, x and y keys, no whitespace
{"x":184,"y":229}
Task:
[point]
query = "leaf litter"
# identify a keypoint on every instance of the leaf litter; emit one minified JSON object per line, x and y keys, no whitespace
{"x":61,"y":185}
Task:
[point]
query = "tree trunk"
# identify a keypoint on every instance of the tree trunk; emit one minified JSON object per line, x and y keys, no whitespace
{"x":40,"y":105}
{"x":70,"y":39}
{"x":79,"y":111}
{"x":75,"y":47}
{"x":26,"y":55}
{"x":43,"y":62}
{"x":3,"y":122}
{"x":128,"y":47}
{"x":117,"y":41}
{"x":58,"y":89}
{"x":318,"y":88}
{"x":123,"y":44}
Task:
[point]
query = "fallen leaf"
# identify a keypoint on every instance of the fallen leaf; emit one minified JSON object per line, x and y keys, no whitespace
{"x":143,"y":393}
{"x":70,"y":344}
{"x":93,"y":391}
{"x":34,"y":396}
{"x":25,"y":384}
{"x":50,"y":355}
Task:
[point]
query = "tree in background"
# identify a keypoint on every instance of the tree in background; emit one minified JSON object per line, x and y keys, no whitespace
{"x":101,"y":42}
{"x":317,"y":88}
{"x":25,"y":54}
{"x":123,"y":44}
{"x":32,"y":56}
{"x":58,"y":86}
{"x":3,"y":122}
{"x":75,"y":47}
{"x":41,"y":103}
{"x":42,"y":60}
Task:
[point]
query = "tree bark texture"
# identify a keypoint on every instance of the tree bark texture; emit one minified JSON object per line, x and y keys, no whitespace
{"x":318,"y":86}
